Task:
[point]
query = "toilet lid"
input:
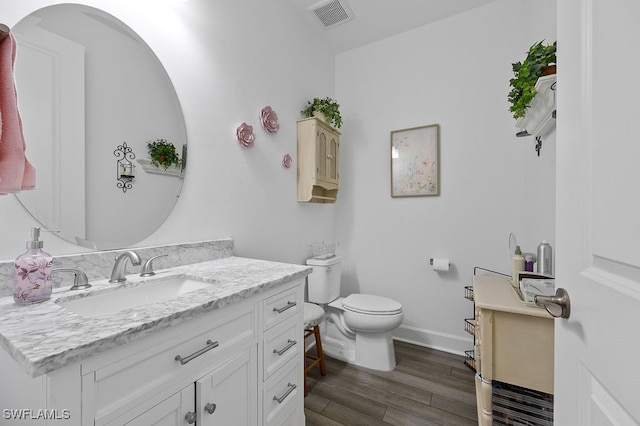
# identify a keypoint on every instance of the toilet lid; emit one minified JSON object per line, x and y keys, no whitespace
{"x":372,"y":305}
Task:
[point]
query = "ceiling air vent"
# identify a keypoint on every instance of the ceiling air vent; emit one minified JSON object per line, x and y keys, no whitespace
{"x":332,"y":12}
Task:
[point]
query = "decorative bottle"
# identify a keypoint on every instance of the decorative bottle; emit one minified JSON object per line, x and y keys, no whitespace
{"x":528,"y":262}
{"x":32,"y":273}
{"x":545,"y":258}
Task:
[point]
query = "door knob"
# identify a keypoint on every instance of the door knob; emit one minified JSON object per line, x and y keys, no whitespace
{"x":190,"y":417}
{"x":558,"y":306}
{"x":210,"y":407}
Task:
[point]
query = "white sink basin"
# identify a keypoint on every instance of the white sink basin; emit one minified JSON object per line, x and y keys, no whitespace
{"x":116,"y":300}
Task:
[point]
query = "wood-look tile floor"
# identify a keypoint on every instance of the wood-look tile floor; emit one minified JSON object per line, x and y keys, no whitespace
{"x":427,"y":387}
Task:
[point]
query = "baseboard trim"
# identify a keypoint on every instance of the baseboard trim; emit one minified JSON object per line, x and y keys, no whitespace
{"x":432,"y":339}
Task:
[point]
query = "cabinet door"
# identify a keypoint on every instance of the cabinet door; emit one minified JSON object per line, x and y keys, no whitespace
{"x":333,"y":155}
{"x":321,"y":154}
{"x":228,"y":395}
{"x":170,"y":412}
{"x":327,"y":144}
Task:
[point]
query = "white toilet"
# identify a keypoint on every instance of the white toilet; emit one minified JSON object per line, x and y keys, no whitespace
{"x":357,"y":328}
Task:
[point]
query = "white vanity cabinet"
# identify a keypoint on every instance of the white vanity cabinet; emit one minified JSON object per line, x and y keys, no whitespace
{"x":283,"y":358}
{"x":234,"y":365}
{"x":231,"y":386}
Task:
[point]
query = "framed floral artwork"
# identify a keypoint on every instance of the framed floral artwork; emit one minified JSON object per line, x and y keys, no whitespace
{"x":415,"y":161}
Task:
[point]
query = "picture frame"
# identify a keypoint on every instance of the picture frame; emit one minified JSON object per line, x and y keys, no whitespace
{"x":415,"y":161}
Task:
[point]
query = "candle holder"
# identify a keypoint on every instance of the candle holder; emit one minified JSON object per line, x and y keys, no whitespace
{"x":124,"y":166}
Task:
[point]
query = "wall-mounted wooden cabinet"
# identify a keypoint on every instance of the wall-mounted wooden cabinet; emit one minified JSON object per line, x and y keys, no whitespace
{"x":318,"y":161}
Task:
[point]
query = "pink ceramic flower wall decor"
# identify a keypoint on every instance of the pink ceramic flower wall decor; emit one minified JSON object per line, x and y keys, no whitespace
{"x":286,"y":161}
{"x":245,"y":135}
{"x":269,"y":119}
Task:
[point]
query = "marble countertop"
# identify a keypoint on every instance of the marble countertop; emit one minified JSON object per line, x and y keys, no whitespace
{"x":44,"y":337}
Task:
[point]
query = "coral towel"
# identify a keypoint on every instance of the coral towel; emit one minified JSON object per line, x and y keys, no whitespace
{"x":16,"y":173}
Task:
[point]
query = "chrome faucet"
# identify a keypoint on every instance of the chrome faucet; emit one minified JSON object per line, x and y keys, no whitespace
{"x":80,"y":280}
{"x":119,"y":268}
{"x":147,"y":269}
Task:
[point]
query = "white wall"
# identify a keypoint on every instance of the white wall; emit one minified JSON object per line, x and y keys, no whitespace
{"x":226,"y":65}
{"x":456,"y":73}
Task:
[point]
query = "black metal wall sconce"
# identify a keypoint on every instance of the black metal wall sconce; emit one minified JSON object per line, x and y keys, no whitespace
{"x":524,"y":133}
{"x":124,"y":166}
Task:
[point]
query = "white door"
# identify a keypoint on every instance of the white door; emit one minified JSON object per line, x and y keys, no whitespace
{"x":597,"y":368}
{"x":50,"y":83}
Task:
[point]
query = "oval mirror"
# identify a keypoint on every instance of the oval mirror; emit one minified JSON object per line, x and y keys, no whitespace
{"x":92,"y":96}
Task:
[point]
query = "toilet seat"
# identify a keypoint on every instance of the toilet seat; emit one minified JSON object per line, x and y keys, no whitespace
{"x":370,"y":304}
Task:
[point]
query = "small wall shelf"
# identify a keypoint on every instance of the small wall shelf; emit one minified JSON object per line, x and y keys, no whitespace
{"x":148,"y":167}
{"x":540,"y":117}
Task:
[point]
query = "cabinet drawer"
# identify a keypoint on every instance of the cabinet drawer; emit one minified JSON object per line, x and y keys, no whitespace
{"x":122,"y":384}
{"x":281,"y":306}
{"x":281,"y":344}
{"x":282,"y":395}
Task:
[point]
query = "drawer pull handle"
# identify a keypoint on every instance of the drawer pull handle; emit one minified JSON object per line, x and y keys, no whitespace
{"x":190,"y":417}
{"x":281,"y":310}
{"x":284,"y":396}
{"x":210,"y":407}
{"x":210,"y":345}
{"x":290,"y":344}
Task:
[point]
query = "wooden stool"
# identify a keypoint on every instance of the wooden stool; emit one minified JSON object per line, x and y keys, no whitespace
{"x":313,"y":315}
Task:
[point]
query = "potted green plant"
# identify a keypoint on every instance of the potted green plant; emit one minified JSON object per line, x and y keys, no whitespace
{"x":526,"y":75}
{"x":327,"y":107}
{"x":163,"y":153}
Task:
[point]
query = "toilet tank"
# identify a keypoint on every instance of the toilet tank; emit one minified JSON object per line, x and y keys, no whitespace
{"x":324,"y":281}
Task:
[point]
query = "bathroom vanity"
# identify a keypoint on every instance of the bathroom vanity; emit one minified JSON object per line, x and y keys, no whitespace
{"x":514,"y":342}
{"x":227,"y":353}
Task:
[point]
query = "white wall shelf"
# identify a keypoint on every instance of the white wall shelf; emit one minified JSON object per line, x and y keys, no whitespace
{"x":539,"y":119}
{"x":148,"y":167}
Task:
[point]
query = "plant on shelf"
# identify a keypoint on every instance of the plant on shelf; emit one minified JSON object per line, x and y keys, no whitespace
{"x":163,"y":153}
{"x":329,"y":108}
{"x":526,"y":75}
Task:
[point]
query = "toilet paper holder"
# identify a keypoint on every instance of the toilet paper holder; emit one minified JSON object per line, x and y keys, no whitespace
{"x":440,"y":265}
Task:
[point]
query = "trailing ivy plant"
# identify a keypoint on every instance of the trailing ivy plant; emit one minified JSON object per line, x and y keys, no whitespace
{"x":327,"y":106}
{"x":163,"y":153}
{"x":526,"y":75}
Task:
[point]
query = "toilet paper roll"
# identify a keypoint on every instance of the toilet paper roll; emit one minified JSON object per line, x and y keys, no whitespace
{"x":440,"y":265}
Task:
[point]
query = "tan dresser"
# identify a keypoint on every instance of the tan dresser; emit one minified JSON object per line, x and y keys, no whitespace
{"x":514,"y":342}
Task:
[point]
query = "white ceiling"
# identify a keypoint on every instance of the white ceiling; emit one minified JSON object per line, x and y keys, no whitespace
{"x":378,"y":19}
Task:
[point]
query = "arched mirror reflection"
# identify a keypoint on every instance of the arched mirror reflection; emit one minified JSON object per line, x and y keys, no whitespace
{"x":87,"y":84}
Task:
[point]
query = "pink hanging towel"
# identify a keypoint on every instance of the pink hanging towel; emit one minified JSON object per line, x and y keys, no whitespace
{"x":16,"y":173}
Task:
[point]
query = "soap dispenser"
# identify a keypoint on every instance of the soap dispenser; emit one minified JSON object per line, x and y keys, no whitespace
{"x":518,"y":265}
{"x":32,"y":273}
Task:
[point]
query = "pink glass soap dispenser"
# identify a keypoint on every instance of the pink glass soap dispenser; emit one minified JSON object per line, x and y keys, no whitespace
{"x":32,"y":274}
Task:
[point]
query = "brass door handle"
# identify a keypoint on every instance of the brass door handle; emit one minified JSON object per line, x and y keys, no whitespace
{"x":558,"y":306}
